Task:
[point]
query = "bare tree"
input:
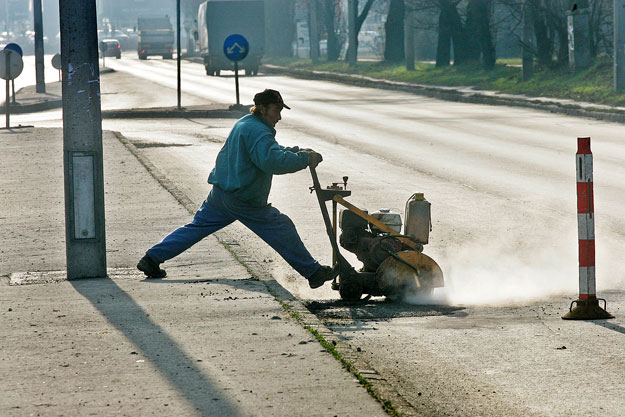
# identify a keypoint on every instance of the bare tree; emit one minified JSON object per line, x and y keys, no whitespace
{"x":360,"y":18}
{"x":465,"y":25}
{"x":331,"y":13}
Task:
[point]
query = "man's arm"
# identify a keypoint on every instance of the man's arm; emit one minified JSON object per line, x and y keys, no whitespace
{"x":272,"y":158}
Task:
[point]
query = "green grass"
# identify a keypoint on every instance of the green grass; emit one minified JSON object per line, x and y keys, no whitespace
{"x":594,"y":84}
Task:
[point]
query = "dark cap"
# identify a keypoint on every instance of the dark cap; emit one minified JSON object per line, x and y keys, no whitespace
{"x":269,"y":97}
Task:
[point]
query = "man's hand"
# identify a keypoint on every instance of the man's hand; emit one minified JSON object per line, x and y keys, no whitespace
{"x":314,"y":158}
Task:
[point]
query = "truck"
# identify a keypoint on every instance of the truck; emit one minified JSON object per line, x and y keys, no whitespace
{"x":218,"y":19}
{"x":155,"y":37}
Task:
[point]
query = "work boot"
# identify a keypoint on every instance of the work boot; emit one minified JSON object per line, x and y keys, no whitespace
{"x":150,"y":267}
{"x":323,"y":274}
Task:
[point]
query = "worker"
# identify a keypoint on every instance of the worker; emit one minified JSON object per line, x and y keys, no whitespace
{"x":241,"y":181}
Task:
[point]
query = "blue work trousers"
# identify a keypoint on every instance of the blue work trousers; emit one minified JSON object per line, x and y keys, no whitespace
{"x":219,"y":210}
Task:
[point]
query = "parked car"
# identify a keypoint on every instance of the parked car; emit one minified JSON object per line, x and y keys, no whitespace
{"x":113,"y":48}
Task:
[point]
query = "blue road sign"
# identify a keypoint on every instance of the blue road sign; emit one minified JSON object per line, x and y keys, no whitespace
{"x":236,"y":47}
{"x":15,"y":47}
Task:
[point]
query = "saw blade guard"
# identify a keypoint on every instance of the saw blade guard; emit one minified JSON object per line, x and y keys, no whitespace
{"x":409,"y":273}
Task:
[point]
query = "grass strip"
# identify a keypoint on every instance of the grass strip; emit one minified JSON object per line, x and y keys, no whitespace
{"x":593,"y":84}
{"x":386,"y":404}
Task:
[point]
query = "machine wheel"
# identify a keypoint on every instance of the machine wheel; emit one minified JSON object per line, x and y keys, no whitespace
{"x":217,"y":73}
{"x":350,"y":290}
{"x":248,"y":71}
{"x":141,"y":56}
{"x":167,"y":56}
{"x":118,"y":56}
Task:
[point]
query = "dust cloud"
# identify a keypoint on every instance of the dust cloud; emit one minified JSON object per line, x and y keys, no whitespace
{"x":510,"y":273}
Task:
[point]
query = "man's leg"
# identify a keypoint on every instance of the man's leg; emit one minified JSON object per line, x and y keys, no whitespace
{"x":207,"y":220}
{"x":279,"y":232}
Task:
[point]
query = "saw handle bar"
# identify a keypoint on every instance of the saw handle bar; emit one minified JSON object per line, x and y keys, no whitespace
{"x":322,"y":197}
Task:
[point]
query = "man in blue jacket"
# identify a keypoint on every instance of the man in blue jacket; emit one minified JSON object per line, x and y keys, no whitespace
{"x":241,"y":182}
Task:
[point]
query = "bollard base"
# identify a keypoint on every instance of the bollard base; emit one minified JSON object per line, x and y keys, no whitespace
{"x":588,"y":310}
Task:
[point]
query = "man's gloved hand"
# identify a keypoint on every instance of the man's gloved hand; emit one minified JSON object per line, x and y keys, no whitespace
{"x":314,"y":158}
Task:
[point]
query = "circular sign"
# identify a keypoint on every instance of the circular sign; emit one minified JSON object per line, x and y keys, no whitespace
{"x":236,"y":47}
{"x":11,"y":64}
{"x":56,"y":61}
{"x":15,"y":47}
{"x":103,"y":46}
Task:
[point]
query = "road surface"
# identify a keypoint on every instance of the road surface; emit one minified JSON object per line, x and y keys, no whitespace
{"x":502,"y":186}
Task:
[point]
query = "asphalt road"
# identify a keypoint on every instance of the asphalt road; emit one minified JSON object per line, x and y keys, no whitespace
{"x":502,"y":186}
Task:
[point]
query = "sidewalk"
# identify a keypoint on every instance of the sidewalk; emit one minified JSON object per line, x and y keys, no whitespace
{"x":211,"y":341}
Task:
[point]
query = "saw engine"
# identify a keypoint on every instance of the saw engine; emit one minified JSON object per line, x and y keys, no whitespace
{"x":393,"y":262}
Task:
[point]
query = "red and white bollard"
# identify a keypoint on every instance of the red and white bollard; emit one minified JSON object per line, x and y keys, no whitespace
{"x":587,"y":307}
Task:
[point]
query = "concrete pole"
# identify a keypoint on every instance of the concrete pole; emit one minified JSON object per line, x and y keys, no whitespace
{"x":313,"y":32}
{"x":82,"y":141}
{"x":409,"y":38}
{"x":39,"y":64}
{"x":527,"y":70}
{"x":619,"y":45}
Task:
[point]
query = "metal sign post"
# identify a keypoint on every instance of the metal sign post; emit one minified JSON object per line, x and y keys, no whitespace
{"x":103,"y":47}
{"x":11,"y":66}
{"x":178,"y":54}
{"x":56,"y":63}
{"x":14,"y":47}
{"x":236,"y":49}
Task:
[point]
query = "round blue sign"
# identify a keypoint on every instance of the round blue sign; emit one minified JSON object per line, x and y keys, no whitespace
{"x":14,"y":47}
{"x":236,"y":47}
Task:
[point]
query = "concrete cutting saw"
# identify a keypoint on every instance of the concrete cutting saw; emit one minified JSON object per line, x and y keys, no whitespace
{"x":394,"y":264}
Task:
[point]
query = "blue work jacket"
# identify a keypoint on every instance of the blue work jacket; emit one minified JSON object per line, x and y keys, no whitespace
{"x":249,"y":159}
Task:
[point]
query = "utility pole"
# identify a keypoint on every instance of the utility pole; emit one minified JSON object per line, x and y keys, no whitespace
{"x":352,"y":12}
{"x":179,"y":51}
{"x":39,"y":64}
{"x":313,"y":32}
{"x":82,"y":141}
{"x":619,"y":45}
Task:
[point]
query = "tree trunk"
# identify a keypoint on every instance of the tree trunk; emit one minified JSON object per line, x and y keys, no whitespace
{"x":359,"y":21}
{"x":457,"y":32}
{"x":394,"y":29}
{"x":482,"y":14}
{"x":329,"y":16}
{"x":544,"y":43}
{"x":443,"y":47}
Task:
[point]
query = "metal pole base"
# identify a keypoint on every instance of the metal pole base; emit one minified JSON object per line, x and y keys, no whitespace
{"x":588,"y":310}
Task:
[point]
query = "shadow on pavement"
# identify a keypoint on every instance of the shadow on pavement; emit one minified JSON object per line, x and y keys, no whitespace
{"x":171,"y":361}
{"x":610,"y":326}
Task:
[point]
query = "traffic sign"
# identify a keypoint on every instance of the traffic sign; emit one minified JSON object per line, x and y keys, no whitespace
{"x":11,"y":64}
{"x":56,"y":61}
{"x":236,"y":47}
{"x":15,"y":47}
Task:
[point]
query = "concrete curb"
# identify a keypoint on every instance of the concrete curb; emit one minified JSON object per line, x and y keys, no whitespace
{"x":450,"y":94}
{"x":172,"y":112}
{"x":354,"y":361}
{"x":46,"y":104}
